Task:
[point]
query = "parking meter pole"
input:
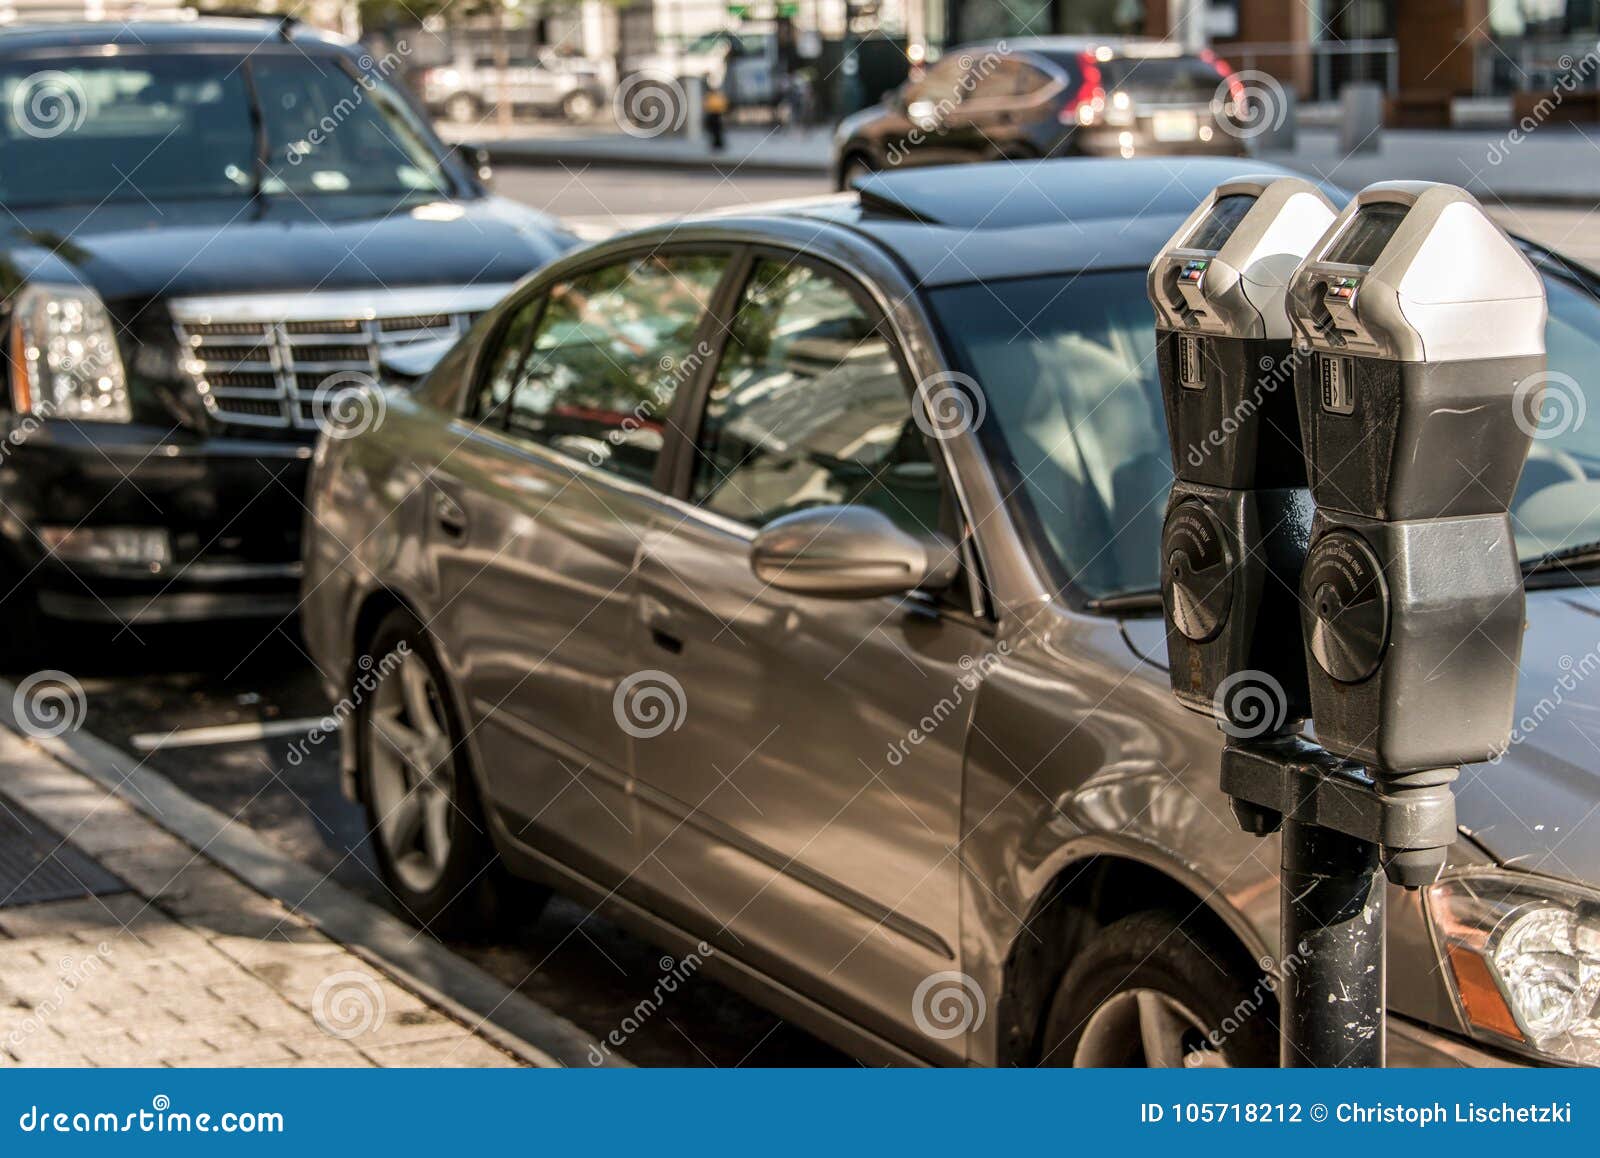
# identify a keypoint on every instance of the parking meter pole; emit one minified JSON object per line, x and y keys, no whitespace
{"x":1332,"y":988}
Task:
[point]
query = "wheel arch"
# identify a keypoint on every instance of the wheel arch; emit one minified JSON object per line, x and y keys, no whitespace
{"x":1099,"y":883}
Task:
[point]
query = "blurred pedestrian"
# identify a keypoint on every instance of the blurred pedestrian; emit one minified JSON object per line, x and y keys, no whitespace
{"x":716,"y":108}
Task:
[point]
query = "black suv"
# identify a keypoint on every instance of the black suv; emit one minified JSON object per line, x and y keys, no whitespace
{"x":217,"y":236}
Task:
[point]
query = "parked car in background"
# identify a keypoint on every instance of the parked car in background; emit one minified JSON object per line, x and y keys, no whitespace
{"x":549,"y":84}
{"x":790,"y":582}
{"x":1048,"y":97}
{"x":215,"y":233}
{"x":743,"y":64}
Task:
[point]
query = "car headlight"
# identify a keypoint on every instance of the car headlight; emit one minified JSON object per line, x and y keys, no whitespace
{"x":1524,"y":956}
{"x":64,"y":359}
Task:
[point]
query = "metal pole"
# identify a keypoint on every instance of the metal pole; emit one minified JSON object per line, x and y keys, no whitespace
{"x":1332,"y":921}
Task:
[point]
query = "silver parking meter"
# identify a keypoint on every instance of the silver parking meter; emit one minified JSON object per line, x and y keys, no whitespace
{"x":1238,"y":518}
{"x":1419,"y":318}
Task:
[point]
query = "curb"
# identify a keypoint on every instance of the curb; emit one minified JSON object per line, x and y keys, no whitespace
{"x":606,"y":157}
{"x":523,"y":1028}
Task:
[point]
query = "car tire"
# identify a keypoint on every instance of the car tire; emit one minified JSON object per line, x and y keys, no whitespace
{"x":461,"y":108}
{"x":579,"y":106}
{"x":1146,"y":990}
{"x":855,"y":166}
{"x":425,"y":819}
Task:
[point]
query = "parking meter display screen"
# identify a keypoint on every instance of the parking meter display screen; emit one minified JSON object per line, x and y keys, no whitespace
{"x":1217,"y":226}
{"x":1364,"y":239}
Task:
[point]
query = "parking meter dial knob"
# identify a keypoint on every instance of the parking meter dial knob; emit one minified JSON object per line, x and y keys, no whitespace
{"x":1346,"y":607}
{"x":1199,"y":571}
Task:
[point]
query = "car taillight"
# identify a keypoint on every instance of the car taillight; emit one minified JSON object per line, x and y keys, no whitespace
{"x":1090,"y":98}
{"x":1236,"y":92}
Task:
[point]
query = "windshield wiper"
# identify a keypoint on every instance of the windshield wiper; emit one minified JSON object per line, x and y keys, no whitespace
{"x":1578,"y":558}
{"x":1128,"y":603}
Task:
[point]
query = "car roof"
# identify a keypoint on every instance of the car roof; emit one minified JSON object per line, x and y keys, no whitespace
{"x":245,"y":32}
{"x":951,"y":224}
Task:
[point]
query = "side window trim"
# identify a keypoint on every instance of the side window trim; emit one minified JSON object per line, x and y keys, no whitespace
{"x":483,"y":359}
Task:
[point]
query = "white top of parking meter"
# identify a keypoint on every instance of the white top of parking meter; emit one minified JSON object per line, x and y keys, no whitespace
{"x":1227,"y":269}
{"x":1416,"y":271}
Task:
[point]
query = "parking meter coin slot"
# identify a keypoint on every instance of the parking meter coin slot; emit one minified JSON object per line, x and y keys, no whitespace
{"x":1412,"y":440}
{"x":1237,"y":426}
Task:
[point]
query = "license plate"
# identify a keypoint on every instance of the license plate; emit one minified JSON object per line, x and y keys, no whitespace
{"x":1174,"y":125}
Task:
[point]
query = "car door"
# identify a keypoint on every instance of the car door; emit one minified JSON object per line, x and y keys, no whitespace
{"x":542,"y":509}
{"x":800,"y":800}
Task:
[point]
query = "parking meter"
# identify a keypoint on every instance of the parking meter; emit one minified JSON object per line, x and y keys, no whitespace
{"x":1238,"y":519}
{"x":1420,"y":318}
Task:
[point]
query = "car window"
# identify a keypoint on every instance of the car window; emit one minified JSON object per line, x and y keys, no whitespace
{"x":1005,"y":79}
{"x":1068,"y":375}
{"x":809,"y":407}
{"x":75,"y":132}
{"x":331,"y":133}
{"x":943,"y":82}
{"x":608,"y":351}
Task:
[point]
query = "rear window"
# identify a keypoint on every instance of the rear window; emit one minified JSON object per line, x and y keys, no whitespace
{"x":1186,"y":75}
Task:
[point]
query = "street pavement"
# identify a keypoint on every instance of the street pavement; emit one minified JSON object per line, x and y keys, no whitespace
{"x":1551,"y":164}
{"x":177,"y":962}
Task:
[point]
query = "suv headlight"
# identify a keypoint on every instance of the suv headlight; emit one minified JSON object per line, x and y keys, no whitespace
{"x":64,"y":359}
{"x":1524,"y":956}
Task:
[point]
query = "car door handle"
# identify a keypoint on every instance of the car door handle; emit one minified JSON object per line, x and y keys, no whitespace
{"x":666,"y":641}
{"x":449,"y":515}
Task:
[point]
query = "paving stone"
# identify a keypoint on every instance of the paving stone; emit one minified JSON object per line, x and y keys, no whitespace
{"x":459,"y":1053}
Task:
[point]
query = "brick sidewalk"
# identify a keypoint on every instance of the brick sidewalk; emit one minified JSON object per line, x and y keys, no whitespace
{"x":189,"y":967}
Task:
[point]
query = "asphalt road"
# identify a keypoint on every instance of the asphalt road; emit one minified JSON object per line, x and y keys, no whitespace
{"x":145,"y":692}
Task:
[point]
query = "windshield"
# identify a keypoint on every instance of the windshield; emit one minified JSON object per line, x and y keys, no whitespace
{"x":1075,"y":430}
{"x":91,"y":130}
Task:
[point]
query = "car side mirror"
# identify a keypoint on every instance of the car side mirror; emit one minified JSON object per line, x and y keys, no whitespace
{"x":475,"y":158}
{"x":850,"y":552}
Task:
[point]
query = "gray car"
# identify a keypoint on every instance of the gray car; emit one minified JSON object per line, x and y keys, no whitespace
{"x":783,"y":587}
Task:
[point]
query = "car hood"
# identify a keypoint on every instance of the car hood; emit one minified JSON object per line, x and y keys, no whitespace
{"x":142,"y":250}
{"x":1538,"y":807}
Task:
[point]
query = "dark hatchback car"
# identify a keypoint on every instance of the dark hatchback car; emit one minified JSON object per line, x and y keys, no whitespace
{"x":741,"y":628}
{"x":1048,"y":97}
{"x":214,"y":234}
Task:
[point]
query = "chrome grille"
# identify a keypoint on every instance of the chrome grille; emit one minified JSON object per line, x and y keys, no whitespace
{"x":260,"y":360}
